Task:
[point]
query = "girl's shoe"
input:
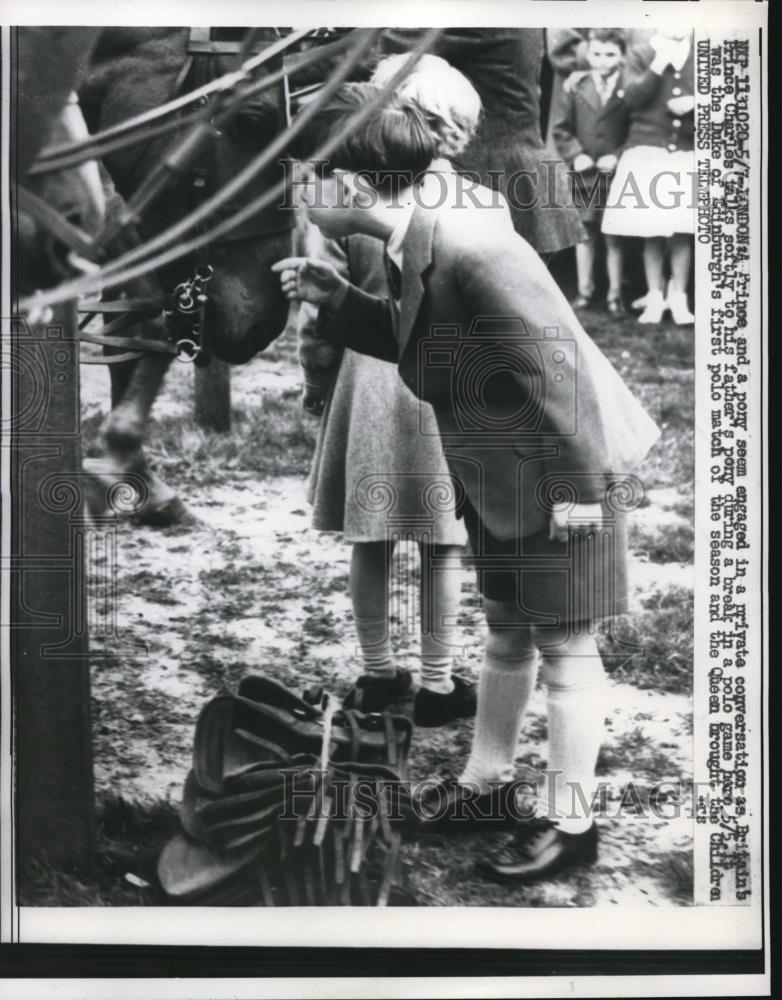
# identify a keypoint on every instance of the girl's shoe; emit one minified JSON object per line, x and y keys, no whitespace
{"x":433,"y":709}
{"x":655,"y":307}
{"x":677,"y":303}
{"x":581,"y":302}
{"x":640,"y":302}
{"x":615,"y":307}
{"x":373,"y":694}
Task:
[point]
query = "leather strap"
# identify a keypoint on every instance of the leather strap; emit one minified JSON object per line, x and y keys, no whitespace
{"x":391,"y":748}
{"x":112,"y":359}
{"x":97,"y":145}
{"x":158,"y":304}
{"x":56,"y":224}
{"x":141,"y":345}
{"x":355,"y":734}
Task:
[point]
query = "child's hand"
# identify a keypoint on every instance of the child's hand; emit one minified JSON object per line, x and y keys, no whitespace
{"x":580,"y":515}
{"x":583,"y":162}
{"x":681,"y":105}
{"x":607,"y":163}
{"x":664,"y":50}
{"x":575,"y":77}
{"x":310,"y":280}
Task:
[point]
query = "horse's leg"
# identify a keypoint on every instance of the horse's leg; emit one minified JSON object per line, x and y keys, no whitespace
{"x":134,"y":388}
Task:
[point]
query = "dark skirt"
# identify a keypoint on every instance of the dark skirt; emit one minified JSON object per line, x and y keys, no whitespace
{"x":550,"y":582}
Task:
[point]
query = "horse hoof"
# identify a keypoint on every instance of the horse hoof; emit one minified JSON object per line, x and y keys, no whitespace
{"x":171,"y":513}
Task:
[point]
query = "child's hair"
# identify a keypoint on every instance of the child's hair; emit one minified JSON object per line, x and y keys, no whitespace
{"x":448,"y":100}
{"x":392,"y":146}
{"x":614,"y":35}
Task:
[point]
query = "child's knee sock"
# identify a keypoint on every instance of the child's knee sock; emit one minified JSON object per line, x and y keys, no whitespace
{"x":576,"y":702}
{"x":504,"y":689}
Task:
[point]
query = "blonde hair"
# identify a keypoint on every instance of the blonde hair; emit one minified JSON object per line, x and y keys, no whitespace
{"x":446,"y":97}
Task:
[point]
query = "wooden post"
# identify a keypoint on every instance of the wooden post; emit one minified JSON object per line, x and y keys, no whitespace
{"x":213,"y":396}
{"x":51,"y":683}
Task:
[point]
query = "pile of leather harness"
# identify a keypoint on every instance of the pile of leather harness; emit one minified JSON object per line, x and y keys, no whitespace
{"x":290,"y":802}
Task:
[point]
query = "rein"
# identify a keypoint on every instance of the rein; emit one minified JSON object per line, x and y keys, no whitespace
{"x":183,"y":310}
{"x":170,"y":245}
{"x":71,"y":153}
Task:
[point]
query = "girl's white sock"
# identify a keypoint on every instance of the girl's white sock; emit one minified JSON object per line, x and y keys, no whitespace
{"x":375,"y":643}
{"x":441,"y":594}
{"x":504,"y":690}
{"x":436,"y":666}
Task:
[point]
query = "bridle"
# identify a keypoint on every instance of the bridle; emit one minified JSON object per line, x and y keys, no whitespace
{"x":184,"y":309}
{"x":176,"y":242}
{"x":212,"y":102}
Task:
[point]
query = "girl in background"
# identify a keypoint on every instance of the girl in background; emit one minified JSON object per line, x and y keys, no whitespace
{"x":651,"y":193}
{"x":508,"y":152}
{"x":378,"y":441}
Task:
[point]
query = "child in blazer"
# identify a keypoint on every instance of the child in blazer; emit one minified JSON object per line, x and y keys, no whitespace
{"x":536,"y":425}
{"x":589,"y":127}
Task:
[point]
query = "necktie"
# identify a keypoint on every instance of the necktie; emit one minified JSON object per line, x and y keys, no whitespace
{"x":394,"y":276}
{"x":394,"y":281}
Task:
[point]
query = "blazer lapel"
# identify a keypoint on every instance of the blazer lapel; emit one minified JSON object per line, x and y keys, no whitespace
{"x":416,"y":260}
{"x":614,"y":97}
{"x":588,"y":93}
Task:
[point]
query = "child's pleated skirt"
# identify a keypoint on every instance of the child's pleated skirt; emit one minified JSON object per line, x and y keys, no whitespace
{"x":652,"y":193}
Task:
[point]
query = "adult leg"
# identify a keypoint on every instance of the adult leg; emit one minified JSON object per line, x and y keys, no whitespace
{"x":615,"y":272}
{"x":585,"y":267}
{"x":654,"y":263}
{"x":681,"y":259}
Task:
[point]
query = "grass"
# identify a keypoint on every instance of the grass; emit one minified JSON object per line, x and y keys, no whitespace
{"x":654,"y":647}
{"x":664,"y":544}
{"x":657,"y":364}
{"x":635,"y":751}
{"x":674,"y":871}
{"x":274,"y":439}
{"x":129,"y":838}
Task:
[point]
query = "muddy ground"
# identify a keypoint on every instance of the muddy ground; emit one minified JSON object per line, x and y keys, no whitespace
{"x":253,"y":588}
